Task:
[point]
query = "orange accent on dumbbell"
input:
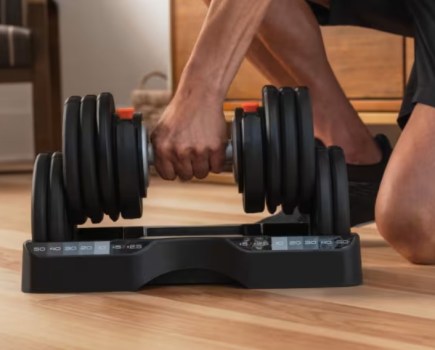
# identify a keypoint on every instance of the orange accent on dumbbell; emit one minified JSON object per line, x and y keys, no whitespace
{"x":250,"y":107}
{"x":125,"y":113}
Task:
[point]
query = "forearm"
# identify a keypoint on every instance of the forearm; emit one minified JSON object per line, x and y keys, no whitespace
{"x":221,"y":46}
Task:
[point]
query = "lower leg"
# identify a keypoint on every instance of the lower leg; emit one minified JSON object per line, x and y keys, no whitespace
{"x":303,"y":60}
{"x":404,"y":208}
{"x":268,"y":65}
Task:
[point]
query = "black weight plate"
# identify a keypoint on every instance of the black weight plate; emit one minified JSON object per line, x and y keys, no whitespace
{"x":271,"y":104}
{"x":307,"y":164}
{"x":88,"y":159}
{"x":71,"y":165}
{"x":236,"y":139}
{"x":289,"y":150}
{"x":106,"y":154}
{"x":128,"y":170}
{"x":322,"y":209}
{"x":60,"y":226}
{"x":253,"y":164}
{"x":143,"y":182}
{"x":340,"y":191}
{"x":41,"y":174}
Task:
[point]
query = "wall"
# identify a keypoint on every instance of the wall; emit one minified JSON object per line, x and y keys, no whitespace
{"x":106,"y":45}
{"x":16,"y":133}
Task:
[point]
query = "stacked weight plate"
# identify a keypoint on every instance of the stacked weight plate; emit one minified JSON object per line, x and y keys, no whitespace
{"x":277,"y":163}
{"x":103,"y":166}
{"x":100,"y":171}
{"x":330,"y":212}
{"x":275,"y":151}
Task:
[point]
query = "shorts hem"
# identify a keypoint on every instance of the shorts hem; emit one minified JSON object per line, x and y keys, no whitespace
{"x":423,"y":95}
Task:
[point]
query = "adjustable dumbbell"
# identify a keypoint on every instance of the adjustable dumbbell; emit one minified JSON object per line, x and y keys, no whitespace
{"x":105,"y":166}
{"x":104,"y":169}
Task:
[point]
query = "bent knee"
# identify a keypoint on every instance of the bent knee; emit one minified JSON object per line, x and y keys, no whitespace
{"x":404,"y":208}
{"x":405,"y":225}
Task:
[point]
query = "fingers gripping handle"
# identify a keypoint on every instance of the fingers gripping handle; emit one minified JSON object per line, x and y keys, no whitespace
{"x":150,"y":158}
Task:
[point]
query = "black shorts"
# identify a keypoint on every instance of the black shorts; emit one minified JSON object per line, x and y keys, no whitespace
{"x":412,"y":18}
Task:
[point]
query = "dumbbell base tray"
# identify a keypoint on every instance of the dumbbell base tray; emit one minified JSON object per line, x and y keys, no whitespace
{"x":130,"y":264}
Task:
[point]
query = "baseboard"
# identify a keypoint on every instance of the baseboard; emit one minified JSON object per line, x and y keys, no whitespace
{"x":16,"y":167}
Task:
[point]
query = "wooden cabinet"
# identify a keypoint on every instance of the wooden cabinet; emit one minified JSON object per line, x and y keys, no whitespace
{"x":368,"y":63}
{"x":371,"y":66}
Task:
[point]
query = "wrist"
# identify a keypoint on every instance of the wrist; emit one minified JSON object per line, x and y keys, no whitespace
{"x":198,"y":82}
{"x":196,"y":101}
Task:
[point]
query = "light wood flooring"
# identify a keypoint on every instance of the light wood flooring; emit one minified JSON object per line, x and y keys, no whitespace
{"x":394,"y":309}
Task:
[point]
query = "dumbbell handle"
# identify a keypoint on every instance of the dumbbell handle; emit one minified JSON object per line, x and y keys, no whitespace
{"x":228,"y":153}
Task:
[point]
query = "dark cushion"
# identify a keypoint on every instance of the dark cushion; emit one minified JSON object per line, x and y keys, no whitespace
{"x":15,"y":47}
{"x":12,"y":12}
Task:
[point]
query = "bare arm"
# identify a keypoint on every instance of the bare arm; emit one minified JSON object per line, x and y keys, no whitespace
{"x":224,"y":39}
{"x":190,"y":138}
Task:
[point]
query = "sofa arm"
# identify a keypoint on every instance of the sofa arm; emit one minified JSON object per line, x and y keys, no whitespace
{"x":15,"y":47}
{"x":13,"y":12}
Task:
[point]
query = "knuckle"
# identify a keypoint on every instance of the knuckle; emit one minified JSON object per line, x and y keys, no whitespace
{"x":201,"y":151}
{"x":164,"y":148}
{"x":184,"y":151}
{"x":216,"y":147}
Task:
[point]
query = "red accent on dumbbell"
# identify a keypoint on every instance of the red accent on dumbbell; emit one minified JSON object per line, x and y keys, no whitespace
{"x":250,"y":107}
{"x":125,"y":113}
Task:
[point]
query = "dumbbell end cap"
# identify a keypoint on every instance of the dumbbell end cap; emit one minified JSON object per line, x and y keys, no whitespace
{"x":125,"y":113}
{"x":250,"y":107}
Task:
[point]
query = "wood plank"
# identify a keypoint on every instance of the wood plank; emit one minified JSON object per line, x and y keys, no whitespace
{"x":368,"y":63}
{"x":368,"y":118}
{"x":394,"y":309}
{"x":16,"y":75}
{"x":16,"y":167}
{"x":361,"y":105}
{"x":378,"y":118}
{"x":376,"y":105}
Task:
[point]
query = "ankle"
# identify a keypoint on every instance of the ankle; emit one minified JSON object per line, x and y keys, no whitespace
{"x":362,"y":152}
{"x":337,"y":123}
{"x":358,"y":144}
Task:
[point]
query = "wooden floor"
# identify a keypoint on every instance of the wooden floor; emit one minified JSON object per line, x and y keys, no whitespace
{"x":394,"y":309}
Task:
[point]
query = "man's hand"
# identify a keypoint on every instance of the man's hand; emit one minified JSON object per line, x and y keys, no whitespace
{"x":190,"y":139}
